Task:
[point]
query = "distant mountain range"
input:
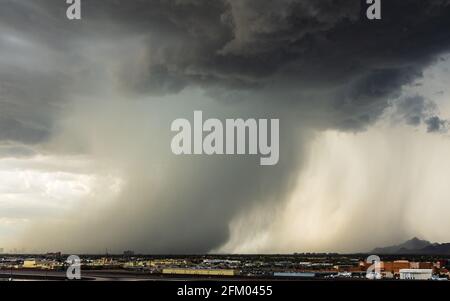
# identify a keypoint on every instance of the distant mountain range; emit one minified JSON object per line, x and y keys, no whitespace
{"x":415,"y":246}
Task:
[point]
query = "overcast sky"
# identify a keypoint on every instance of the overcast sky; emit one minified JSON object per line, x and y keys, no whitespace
{"x":86,"y":108}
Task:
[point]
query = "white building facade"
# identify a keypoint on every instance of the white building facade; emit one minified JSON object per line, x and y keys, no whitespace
{"x":416,"y":274}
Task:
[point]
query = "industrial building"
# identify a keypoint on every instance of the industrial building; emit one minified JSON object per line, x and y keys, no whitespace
{"x":395,"y":266}
{"x":295,"y":274}
{"x":30,"y":264}
{"x":416,"y":274}
{"x":201,"y":272}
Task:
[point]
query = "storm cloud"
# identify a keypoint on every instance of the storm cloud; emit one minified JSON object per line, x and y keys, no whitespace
{"x":109,"y":85}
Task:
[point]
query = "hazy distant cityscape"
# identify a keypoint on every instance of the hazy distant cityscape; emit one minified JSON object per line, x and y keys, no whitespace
{"x":302,"y":266}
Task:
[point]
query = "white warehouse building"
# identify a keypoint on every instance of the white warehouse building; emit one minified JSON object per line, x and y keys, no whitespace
{"x":416,"y":274}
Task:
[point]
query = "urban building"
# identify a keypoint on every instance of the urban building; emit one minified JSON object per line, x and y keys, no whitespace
{"x":416,"y":274}
{"x":394,"y":267}
{"x":30,"y":264}
{"x":295,"y":274}
{"x":201,"y":272}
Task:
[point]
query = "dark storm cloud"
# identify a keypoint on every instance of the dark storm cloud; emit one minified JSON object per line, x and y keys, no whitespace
{"x":287,"y":58}
{"x":436,"y":125}
{"x":364,"y":101}
{"x":415,"y":110}
{"x":249,"y":45}
{"x":32,"y":71}
{"x":13,"y":129}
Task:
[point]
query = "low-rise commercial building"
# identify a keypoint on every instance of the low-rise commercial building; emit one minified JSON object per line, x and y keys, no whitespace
{"x":416,"y":274}
{"x":202,"y":272}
